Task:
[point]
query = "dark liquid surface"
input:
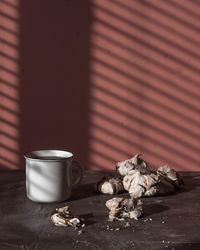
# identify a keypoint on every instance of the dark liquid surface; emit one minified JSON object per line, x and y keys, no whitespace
{"x":49,"y":157}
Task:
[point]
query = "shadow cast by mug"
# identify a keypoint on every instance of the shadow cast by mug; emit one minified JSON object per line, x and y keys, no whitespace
{"x":83,"y":191}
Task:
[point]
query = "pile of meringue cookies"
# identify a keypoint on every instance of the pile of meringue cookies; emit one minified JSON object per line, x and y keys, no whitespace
{"x":135,"y":176}
{"x":140,"y":180}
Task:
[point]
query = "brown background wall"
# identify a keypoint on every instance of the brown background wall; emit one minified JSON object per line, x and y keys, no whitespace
{"x":103,"y":79}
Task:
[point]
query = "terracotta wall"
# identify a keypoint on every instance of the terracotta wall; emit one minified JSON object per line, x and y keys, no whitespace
{"x":104,"y":79}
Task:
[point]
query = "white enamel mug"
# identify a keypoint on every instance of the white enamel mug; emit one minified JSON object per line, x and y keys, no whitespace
{"x":49,"y":175}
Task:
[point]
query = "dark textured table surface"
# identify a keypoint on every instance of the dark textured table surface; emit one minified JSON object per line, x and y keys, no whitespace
{"x":169,"y":222}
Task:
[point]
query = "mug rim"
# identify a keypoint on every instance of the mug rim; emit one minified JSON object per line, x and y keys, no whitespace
{"x":30,"y":155}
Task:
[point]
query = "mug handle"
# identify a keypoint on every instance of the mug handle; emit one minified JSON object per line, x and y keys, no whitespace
{"x":79,"y":174}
